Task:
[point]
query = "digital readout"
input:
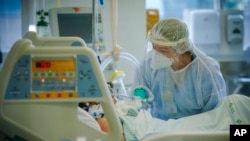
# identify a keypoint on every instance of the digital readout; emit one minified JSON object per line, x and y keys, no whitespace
{"x":43,"y":64}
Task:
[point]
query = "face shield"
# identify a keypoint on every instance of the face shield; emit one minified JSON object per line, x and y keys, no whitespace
{"x":175,"y":45}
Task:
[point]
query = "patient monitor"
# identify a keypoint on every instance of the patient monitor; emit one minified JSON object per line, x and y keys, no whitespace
{"x":40,"y":91}
{"x":77,"y":21}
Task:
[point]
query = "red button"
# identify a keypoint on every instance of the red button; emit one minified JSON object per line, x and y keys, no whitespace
{"x":59,"y":95}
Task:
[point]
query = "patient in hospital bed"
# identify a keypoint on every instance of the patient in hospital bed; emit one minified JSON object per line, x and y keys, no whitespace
{"x":234,"y":109}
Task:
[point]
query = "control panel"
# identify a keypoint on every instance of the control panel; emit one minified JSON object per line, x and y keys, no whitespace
{"x":52,"y":77}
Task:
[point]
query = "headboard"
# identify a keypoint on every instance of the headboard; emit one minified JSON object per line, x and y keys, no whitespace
{"x":40,"y":91}
{"x":54,"y":41}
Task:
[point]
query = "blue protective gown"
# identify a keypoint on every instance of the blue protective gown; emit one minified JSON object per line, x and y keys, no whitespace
{"x":195,"y":89}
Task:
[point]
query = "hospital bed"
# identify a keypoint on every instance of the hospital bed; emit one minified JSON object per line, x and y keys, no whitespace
{"x":40,"y":91}
{"x":41,"y":88}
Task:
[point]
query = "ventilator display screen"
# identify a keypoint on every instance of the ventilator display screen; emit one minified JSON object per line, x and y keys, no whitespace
{"x":79,"y":25}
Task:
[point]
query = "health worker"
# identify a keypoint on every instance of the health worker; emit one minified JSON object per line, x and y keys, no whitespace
{"x":183,"y":80}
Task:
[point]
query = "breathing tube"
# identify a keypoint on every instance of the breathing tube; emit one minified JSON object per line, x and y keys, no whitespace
{"x":118,"y":76}
{"x":126,"y":57}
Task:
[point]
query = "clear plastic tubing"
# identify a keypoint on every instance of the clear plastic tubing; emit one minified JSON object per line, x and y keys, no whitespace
{"x":123,"y":57}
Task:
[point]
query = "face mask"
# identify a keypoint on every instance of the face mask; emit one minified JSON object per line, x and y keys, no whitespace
{"x":160,"y":61}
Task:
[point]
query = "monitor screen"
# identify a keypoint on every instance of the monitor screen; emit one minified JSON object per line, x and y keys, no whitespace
{"x":80,"y":25}
{"x":77,"y":22}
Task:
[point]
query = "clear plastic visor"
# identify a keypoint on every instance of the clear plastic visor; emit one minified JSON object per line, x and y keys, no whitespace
{"x":166,"y":43}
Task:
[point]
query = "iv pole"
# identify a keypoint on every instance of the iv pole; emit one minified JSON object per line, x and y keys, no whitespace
{"x":94,"y":19}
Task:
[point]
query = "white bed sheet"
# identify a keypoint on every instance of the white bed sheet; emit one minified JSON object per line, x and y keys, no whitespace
{"x":234,"y":109}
